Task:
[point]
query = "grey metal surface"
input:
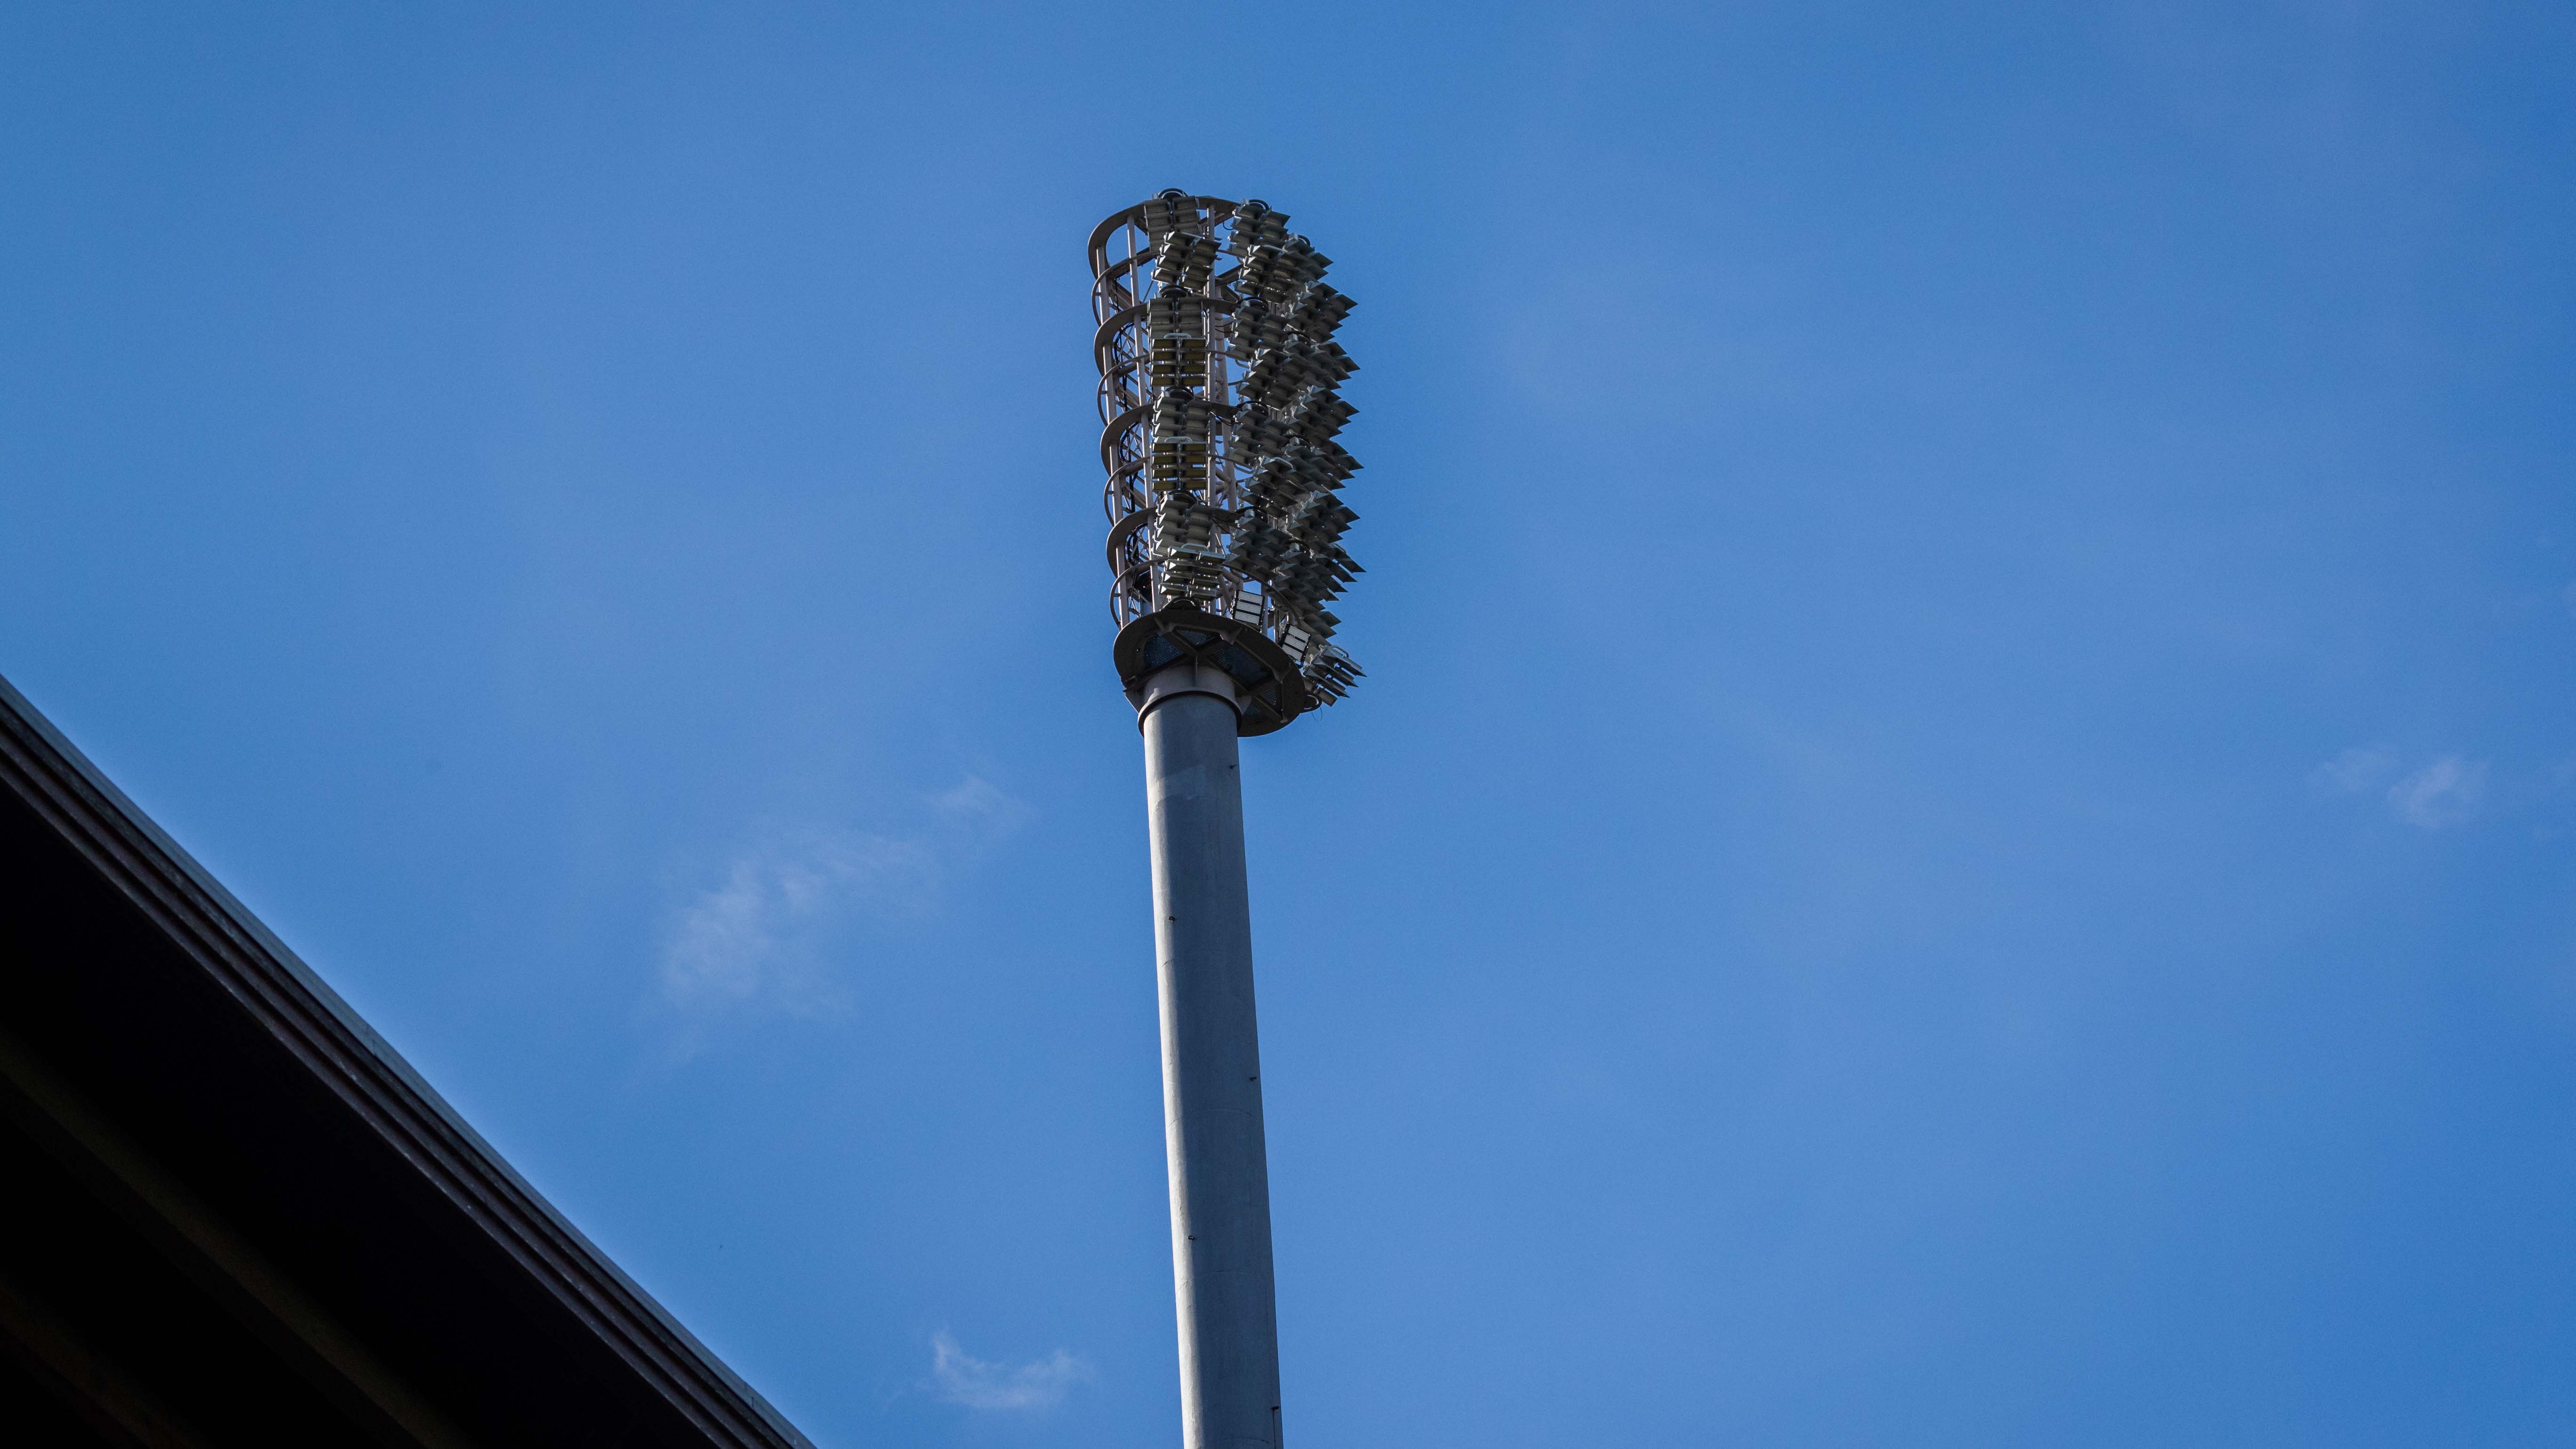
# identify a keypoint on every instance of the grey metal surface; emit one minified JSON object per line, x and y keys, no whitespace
{"x":1212,"y":1132}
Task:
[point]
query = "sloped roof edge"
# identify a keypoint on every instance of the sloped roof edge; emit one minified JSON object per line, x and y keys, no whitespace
{"x":330,"y":1040}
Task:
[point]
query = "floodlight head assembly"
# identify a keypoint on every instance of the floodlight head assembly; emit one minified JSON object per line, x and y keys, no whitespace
{"x":1219,"y":403}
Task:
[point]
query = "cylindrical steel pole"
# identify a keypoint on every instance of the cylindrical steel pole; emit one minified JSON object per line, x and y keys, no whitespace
{"x":1212,"y":1133}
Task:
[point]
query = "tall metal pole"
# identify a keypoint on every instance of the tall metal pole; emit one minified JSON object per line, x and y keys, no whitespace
{"x":1224,"y":551}
{"x":1212,"y":1132}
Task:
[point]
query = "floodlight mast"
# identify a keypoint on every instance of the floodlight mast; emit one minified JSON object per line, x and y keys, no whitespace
{"x":1225,"y":521}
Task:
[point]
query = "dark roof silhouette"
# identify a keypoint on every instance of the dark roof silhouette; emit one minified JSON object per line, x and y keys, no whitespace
{"x":234,"y":1216}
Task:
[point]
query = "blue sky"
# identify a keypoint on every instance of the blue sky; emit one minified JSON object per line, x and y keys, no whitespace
{"x":1961,"y":827}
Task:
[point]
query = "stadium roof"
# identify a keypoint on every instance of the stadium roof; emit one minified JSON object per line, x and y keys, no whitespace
{"x":237,"y":1216}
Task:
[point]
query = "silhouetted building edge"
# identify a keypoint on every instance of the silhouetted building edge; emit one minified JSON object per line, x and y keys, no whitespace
{"x":236,"y":1215}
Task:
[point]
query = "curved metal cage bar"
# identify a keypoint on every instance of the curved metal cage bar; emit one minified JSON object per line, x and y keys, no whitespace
{"x":1218,"y":406}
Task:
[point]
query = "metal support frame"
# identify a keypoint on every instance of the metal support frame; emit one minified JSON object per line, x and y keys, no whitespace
{"x":1233,"y":585}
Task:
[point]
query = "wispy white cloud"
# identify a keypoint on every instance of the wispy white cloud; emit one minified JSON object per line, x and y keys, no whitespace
{"x":748,"y":941}
{"x":2445,"y":792}
{"x":2449,"y":791}
{"x":756,"y":943}
{"x":979,"y":808}
{"x":958,"y":1377}
{"x":2360,"y":768}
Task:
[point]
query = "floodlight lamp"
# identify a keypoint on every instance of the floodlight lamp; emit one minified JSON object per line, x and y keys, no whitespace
{"x":1328,"y":361}
{"x":1319,"y":414}
{"x":1317,"y":311}
{"x":1255,"y":327}
{"x":1183,"y":260}
{"x":1172,"y":209}
{"x":1258,"y":432}
{"x":1177,"y":313}
{"x":1256,"y":225}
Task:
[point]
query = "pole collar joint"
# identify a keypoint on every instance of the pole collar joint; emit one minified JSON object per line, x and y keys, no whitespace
{"x":1185,"y":677}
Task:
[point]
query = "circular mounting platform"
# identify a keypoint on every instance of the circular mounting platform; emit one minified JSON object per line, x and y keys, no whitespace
{"x":1269,"y":690}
